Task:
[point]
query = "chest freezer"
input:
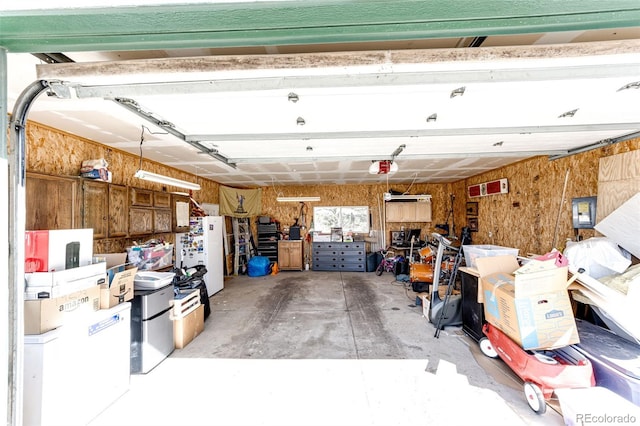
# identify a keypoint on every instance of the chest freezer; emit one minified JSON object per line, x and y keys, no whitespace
{"x":74,"y":372}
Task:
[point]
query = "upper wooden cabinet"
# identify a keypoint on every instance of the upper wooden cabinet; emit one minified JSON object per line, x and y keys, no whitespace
{"x":162,"y":200}
{"x":95,"y":207}
{"x":141,"y":197}
{"x":52,"y":202}
{"x":112,"y":211}
{"x":177,"y":202}
{"x":161,"y":220}
{"x":118,"y":206}
{"x":140,"y":221}
{"x":104,"y":208}
{"x":417,"y":211}
{"x":149,"y":212}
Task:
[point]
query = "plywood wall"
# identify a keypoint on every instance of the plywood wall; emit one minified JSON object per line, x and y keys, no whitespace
{"x":533,"y":216}
{"x":618,"y":180}
{"x":58,"y":153}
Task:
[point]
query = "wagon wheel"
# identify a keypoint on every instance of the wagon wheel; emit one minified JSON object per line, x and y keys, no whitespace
{"x":535,"y":398}
{"x":487,"y":348}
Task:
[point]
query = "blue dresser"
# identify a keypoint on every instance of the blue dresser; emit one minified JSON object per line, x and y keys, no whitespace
{"x":334,"y":256}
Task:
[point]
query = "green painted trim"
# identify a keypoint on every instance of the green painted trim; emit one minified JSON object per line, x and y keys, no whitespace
{"x":4,"y":106}
{"x":299,"y":22}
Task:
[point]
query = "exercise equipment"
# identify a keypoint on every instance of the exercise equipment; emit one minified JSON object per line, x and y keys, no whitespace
{"x":447,"y":311}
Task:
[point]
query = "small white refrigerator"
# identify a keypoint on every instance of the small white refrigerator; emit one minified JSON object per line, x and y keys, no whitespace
{"x":203,"y":245}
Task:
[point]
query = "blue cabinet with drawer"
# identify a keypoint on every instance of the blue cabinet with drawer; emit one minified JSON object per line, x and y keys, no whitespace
{"x":337,"y":256}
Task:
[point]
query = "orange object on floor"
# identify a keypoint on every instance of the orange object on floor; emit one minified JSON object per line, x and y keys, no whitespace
{"x":421,"y":272}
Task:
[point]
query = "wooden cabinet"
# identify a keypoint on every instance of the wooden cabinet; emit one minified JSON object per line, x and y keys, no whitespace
{"x":178,"y":204}
{"x":141,"y":197}
{"x":104,"y":208}
{"x":95,"y":207}
{"x":290,"y":255}
{"x":52,"y":202}
{"x":161,"y":220}
{"x":162,"y":200}
{"x":140,"y":221}
{"x":118,"y":211}
{"x":418,"y":211}
{"x":149,"y":212}
{"x":57,"y":202}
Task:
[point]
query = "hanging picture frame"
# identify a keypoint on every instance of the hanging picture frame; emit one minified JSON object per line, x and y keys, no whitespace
{"x":472,"y":208}
{"x":472,"y":223}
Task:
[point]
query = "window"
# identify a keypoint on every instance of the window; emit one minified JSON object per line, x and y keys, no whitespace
{"x":349,"y":218}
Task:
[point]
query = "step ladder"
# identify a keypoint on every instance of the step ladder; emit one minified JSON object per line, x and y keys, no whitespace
{"x":242,"y":243}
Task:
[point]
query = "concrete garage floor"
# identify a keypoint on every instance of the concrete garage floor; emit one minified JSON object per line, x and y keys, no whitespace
{"x":324,"y":348}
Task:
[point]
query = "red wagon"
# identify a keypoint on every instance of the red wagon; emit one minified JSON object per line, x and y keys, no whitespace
{"x":542,"y":371}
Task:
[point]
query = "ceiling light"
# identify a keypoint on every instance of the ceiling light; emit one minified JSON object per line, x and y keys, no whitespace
{"x":300,"y":121}
{"x":498,"y":143}
{"x":457,"y":92}
{"x":296,"y":199}
{"x":568,"y":113}
{"x":167,"y":180}
{"x":383,"y":167}
{"x":432,"y":118}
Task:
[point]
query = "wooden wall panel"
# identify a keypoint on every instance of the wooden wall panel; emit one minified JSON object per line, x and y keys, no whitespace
{"x":618,"y":180}
{"x":527,"y":217}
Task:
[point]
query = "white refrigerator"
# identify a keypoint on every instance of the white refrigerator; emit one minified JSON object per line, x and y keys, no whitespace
{"x":203,"y":245}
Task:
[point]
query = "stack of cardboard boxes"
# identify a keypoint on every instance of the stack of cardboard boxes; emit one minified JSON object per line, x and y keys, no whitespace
{"x":63,"y":280}
{"x":530,"y":304}
{"x":77,"y":343}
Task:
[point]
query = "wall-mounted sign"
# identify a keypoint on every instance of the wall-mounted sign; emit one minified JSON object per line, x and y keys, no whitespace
{"x":500,"y":186}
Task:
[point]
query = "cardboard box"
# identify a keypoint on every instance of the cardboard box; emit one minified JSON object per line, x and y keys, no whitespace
{"x":187,"y":328}
{"x":112,"y":259}
{"x":44,"y":315}
{"x":57,"y":250}
{"x":67,"y":278}
{"x":118,"y":287}
{"x":473,"y":252}
{"x":533,"y":308}
{"x":44,"y":292}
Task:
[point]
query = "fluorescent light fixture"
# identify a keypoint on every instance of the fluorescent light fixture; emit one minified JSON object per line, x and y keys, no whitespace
{"x":154,"y":177}
{"x":296,"y":199}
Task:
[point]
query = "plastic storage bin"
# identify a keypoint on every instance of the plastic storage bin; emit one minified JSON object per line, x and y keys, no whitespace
{"x":472,"y":252}
{"x":150,"y":258}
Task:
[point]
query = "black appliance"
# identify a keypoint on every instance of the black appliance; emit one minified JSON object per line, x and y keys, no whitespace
{"x":472,"y":311}
{"x":294,"y":232}
{"x":397,"y":238}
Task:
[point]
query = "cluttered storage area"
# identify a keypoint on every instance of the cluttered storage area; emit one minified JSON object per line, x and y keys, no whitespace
{"x":562,"y":320}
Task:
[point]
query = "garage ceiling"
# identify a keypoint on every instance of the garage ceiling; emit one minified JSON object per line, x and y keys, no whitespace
{"x":286,"y":112}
